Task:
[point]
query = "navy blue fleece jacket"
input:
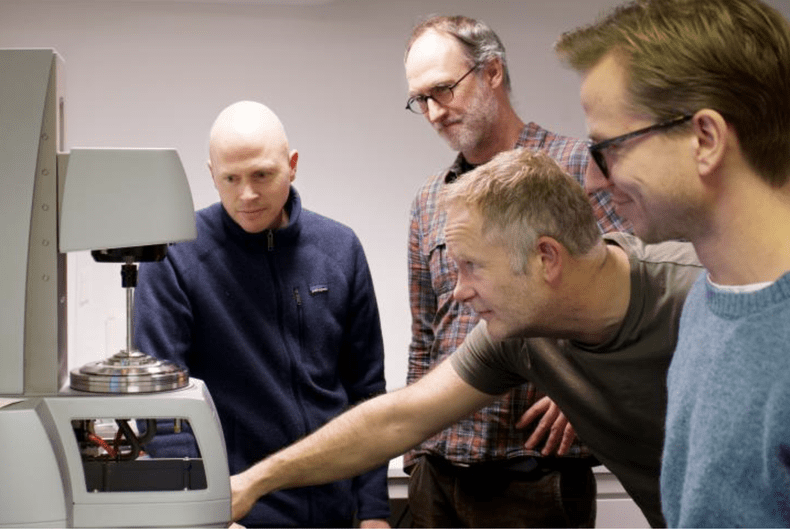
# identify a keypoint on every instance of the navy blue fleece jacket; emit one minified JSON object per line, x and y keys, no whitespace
{"x":284,"y":329}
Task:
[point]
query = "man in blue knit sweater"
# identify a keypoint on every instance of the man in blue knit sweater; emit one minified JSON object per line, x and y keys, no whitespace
{"x":688,"y":110}
{"x":273,"y":307}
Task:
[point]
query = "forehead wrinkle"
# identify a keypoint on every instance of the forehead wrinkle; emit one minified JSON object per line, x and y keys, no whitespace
{"x":433,"y":60}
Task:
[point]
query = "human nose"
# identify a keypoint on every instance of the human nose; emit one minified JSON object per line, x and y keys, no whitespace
{"x":462,"y":292}
{"x":249,"y":192}
{"x":435,"y":111}
{"x":594,"y":180}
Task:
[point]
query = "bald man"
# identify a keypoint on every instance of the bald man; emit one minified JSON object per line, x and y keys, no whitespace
{"x":273,"y":307}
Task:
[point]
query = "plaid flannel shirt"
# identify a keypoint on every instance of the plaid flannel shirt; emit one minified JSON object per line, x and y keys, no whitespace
{"x":439,"y":324}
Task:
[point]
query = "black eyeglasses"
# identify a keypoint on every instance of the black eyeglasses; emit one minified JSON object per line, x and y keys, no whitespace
{"x":442,"y":94}
{"x":596,"y":149}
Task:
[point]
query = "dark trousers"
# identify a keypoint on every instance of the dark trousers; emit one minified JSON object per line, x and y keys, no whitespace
{"x":501,"y":495}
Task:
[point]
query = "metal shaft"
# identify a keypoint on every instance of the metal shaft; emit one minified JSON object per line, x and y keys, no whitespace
{"x":129,"y":318}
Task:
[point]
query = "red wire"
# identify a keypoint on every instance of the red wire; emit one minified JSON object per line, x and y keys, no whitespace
{"x":95,"y":439}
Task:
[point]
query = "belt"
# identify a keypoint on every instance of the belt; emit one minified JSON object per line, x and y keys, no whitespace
{"x":523,"y":467}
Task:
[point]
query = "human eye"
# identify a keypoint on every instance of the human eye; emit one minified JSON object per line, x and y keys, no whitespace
{"x":467,"y":267}
{"x":441,"y":91}
{"x":419,"y":100}
{"x":612,"y":148}
{"x":618,"y":141}
{"x":605,"y":147}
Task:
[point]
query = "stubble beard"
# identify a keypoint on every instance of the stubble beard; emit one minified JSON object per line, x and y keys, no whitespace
{"x":681,"y":220}
{"x":475,"y":124}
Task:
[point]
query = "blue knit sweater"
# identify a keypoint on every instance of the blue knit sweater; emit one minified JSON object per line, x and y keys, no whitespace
{"x":727,"y":444}
{"x":284,"y":329}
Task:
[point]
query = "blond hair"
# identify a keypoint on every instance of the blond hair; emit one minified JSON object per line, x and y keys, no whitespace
{"x":682,"y":56}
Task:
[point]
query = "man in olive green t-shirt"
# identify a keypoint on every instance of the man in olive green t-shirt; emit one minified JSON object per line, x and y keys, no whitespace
{"x":532,"y":263}
{"x":614,"y":391}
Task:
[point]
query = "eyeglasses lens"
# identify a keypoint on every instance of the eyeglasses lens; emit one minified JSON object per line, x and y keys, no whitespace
{"x":600,"y":161}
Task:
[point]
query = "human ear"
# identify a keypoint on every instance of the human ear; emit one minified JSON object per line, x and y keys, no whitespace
{"x":549,"y":251}
{"x":711,"y":136}
{"x":494,"y":73}
{"x":211,"y":173}
{"x":294,"y":158}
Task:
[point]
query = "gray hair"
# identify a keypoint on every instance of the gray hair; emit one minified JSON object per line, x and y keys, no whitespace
{"x":481,"y":45}
{"x":523,"y":195}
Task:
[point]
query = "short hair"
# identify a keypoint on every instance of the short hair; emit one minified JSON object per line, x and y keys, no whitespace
{"x":523,"y":195}
{"x":478,"y":40}
{"x":682,"y":56}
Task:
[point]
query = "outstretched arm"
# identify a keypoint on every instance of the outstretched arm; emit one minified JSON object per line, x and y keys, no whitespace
{"x":364,"y":437}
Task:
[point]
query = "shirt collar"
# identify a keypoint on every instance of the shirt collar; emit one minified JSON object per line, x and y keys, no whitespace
{"x":530,"y":133}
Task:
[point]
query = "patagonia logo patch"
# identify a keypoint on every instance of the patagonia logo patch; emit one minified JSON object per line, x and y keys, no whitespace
{"x":318,"y":289}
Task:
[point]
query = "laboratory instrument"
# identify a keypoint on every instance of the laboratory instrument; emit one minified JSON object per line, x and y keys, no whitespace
{"x":77,"y":454}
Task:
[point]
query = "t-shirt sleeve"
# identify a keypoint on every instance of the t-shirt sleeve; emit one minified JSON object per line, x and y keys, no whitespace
{"x":486,"y":365}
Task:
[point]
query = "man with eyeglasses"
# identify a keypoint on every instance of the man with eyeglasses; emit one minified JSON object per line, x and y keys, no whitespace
{"x":687,"y":106}
{"x":458,"y":79}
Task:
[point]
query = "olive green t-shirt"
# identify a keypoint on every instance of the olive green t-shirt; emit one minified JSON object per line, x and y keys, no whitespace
{"x":614,"y":393}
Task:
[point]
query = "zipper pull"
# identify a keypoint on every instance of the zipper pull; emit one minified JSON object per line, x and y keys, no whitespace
{"x":297,"y":297}
{"x":270,"y":240}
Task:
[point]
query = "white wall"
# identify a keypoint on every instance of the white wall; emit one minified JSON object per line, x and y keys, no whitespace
{"x":155,"y":74}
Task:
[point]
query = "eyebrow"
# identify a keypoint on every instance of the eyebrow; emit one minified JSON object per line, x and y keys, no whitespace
{"x":266,"y":167}
{"x":431,"y":87}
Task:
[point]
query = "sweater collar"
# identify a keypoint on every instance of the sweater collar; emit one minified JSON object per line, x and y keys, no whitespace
{"x":733,"y":305}
{"x":280,"y":237}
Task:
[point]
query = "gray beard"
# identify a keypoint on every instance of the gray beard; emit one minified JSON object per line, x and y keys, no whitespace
{"x":473,"y":130}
